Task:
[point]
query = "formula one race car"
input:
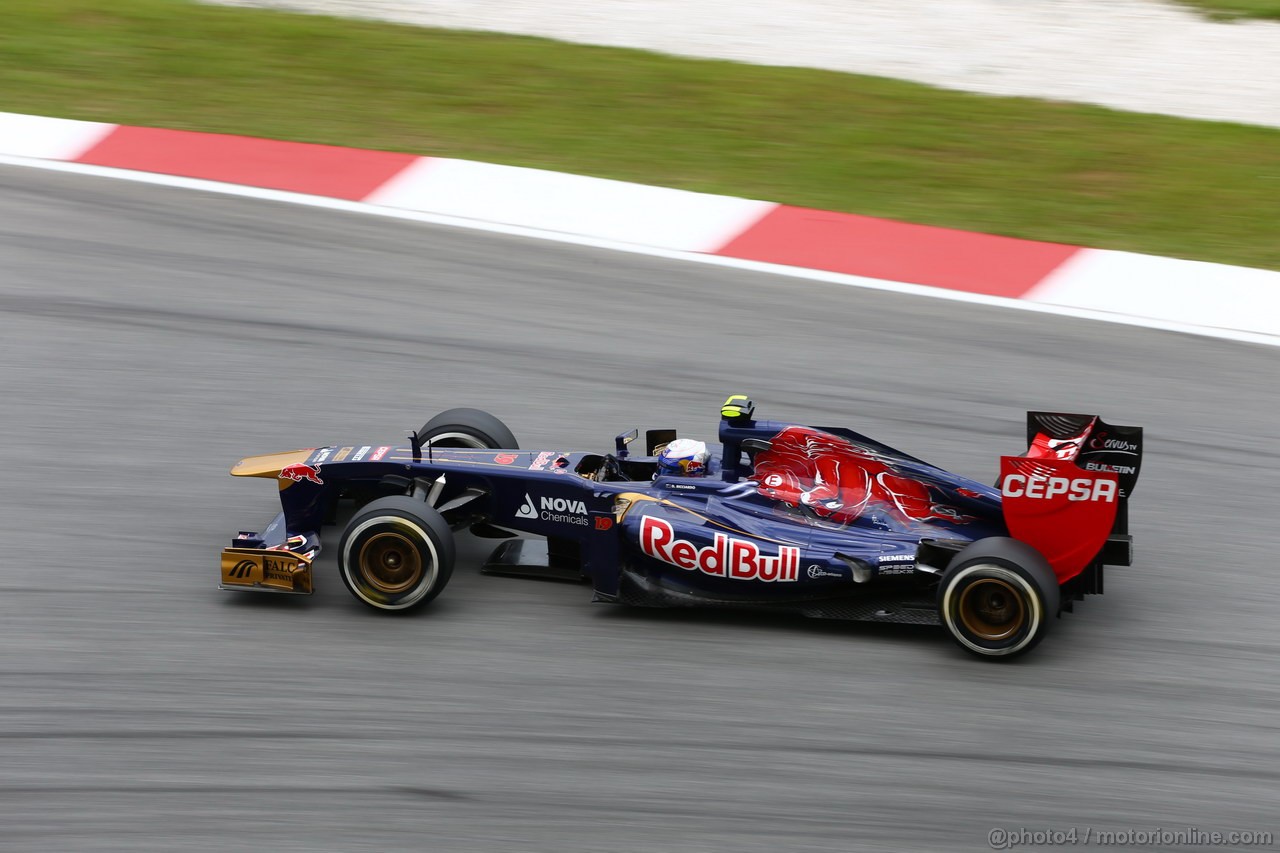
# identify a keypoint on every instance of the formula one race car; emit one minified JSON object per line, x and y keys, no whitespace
{"x":820,"y":521}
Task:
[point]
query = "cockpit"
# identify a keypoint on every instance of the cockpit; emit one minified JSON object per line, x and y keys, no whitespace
{"x":624,"y":466}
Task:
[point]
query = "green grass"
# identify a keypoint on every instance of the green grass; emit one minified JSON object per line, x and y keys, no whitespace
{"x":1025,"y":168}
{"x":1237,"y":9}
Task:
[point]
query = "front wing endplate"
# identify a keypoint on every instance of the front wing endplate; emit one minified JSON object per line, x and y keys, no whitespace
{"x":265,"y":570}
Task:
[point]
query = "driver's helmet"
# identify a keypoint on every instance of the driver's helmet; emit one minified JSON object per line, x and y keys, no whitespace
{"x":684,"y":457}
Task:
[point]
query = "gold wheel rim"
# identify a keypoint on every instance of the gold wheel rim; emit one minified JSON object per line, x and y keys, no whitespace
{"x":992,"y":609}
{"x":391,"y":562}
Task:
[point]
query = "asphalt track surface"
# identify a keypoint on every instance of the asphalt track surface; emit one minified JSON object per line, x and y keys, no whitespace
{"x":152,"y":336}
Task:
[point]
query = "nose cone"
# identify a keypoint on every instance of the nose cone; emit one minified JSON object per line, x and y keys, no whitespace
{"x":271,"y":464}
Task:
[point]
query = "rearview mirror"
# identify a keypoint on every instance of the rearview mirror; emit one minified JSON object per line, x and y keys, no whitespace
{"x":620,"y":443}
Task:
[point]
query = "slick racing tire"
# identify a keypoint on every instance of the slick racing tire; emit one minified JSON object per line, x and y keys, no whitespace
{"x":467,"y":428}
{"x":998,"y":598}
{"x":397,"y":553}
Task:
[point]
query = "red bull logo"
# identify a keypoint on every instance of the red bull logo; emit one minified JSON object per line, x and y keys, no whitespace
{"x":726,"y":557}
{"x":300,"y":472}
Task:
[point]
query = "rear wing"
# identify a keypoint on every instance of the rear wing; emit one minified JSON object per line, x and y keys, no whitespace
{"x":1090,"y":442}
{"x":1068,"y":495}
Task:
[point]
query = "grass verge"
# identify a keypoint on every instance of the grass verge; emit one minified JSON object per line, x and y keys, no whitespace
{"x":1025,"y":168}
{"x":1230,"y":10}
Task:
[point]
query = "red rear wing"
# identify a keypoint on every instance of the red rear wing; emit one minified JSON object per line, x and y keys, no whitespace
{"x":1088,"y":441}
{"x":1067,"y":496}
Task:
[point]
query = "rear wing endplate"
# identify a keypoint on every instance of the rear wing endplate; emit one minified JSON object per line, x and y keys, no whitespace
{"x":1067,"y":496}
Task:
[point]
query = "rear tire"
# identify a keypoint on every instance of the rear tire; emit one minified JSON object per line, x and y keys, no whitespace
{"x":998,"y":598}
{"x":396,"y":553}
{"x":467,"y":428}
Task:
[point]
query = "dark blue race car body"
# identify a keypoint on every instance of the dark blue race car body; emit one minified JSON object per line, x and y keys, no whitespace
{"x":818,"y":520}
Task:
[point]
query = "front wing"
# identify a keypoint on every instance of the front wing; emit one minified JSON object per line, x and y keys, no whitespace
{"x":266,"y":571}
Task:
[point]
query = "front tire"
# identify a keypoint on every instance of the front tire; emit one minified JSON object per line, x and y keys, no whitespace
{"x":998,"y":598}
{"x":467,"y":428}
{"x":396,"y":553}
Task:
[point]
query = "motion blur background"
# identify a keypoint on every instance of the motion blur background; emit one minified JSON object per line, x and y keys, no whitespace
{"x":153,"y":335}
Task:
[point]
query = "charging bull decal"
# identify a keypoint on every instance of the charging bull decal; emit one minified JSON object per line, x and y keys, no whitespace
{"x":300,"y":472}
{"x":840,"y":481}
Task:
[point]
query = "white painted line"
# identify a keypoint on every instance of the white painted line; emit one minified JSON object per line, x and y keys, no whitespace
{"x":714,"y":260}
{"x":49,"y":138}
